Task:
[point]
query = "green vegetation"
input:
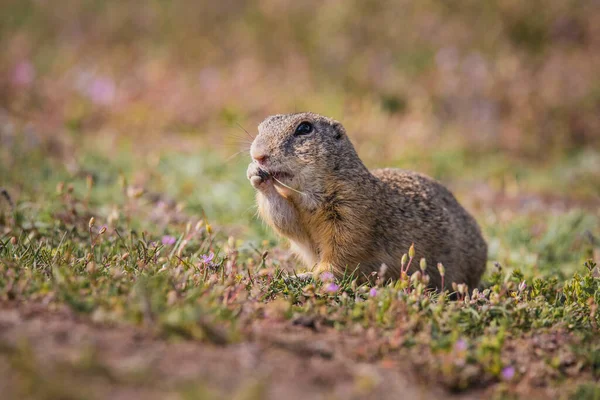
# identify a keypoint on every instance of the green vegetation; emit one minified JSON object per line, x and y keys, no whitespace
{"x":125,"y":253}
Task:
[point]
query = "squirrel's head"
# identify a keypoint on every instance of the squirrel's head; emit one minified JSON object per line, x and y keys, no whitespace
{"x":297,"y":148}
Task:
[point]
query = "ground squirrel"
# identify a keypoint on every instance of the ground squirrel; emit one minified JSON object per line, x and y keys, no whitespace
{"x":313,"y":189}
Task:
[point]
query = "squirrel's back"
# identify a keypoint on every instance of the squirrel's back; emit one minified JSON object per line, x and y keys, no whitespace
{"x":421,"y":210}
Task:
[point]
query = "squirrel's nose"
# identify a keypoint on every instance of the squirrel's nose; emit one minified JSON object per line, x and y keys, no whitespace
{"x":261,"y":158}
{"x":258,"y":153}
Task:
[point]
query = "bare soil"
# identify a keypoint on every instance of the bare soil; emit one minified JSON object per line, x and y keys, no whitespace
{"x":51,"y":354}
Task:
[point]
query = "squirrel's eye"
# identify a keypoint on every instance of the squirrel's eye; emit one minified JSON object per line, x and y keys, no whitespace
{"x":304,"y":129}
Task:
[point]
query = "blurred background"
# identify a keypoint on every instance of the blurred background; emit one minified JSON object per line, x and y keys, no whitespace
{"x":500,"y":94}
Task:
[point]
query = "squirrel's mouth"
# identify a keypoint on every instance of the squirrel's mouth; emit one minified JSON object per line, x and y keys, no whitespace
{"x":276,"y":175}
{"x":280,"y":175}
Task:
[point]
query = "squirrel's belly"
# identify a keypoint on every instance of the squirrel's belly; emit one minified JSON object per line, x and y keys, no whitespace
{"x":305,"y":252}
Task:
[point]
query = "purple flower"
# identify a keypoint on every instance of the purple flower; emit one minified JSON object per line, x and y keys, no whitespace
{"x":326,"y":276}
{"x":508,"y":373}
{"x":332,"y":287}
{"x":23,"y":74}
{"x":522,"y":286}
{"x":168,"y":240}
{"x":460,"y":345}
{"x":373,"y":292}
{"x":102,"y":91}
{"x":207,"y":258}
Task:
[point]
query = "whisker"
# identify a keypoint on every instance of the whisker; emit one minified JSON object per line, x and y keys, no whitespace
{"x":233,"y":145}
{"x":241,"y":139}
{"x":253,"y":209}
{"x":242,"y":128}
{"x":291,"y":188}
{"x":236,"y":154}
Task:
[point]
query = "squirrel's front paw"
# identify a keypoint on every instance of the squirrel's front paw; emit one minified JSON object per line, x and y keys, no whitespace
{"x":256,"y":175}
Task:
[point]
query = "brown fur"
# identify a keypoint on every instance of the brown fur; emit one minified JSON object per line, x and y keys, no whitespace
{"x":347,"y":216}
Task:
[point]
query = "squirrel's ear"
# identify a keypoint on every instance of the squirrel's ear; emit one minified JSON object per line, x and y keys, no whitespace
{"x":338,"y":129}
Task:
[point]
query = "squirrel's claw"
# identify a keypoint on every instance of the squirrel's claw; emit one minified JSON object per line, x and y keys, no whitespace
{"x":256,"y":175}
{"x":256,"y":180}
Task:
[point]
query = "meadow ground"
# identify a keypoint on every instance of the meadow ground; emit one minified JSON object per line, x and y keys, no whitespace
{"x":127,"y":274}
{"x":131,"y":261}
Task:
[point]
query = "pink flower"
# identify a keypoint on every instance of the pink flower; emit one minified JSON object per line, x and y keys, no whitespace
{"x":207,"y":258}
{"x":168,"y":240}
{"x":326,"y":276}
{"x":23,"y":74}
{"x":508,"y":373}
{"x":102,"y":91}
{"x":373,"y":292}
{"x":332,"y":288}
{"x":460,"y":345}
